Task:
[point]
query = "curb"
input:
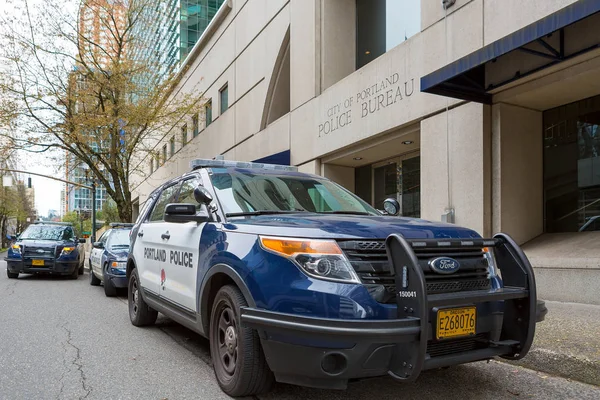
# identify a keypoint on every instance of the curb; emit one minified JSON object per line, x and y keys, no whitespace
{"x":559,"y":364}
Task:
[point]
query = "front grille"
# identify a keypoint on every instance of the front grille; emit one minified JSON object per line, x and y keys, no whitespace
{"x":38,"y":252}
{"x":454,"y":346}
{"x":370,"y":262}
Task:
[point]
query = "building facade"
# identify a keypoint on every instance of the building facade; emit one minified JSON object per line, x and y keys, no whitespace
{"x":484,"y":113}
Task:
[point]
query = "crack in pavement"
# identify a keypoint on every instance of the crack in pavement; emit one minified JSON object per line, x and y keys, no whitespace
{"x":62,"y":384}
{"x":77,"y":362}
{"x":11,"y":287}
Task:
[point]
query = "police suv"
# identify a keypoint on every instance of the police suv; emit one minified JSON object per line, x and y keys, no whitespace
{"x":295,"y":279}
{"x":108,"y":258}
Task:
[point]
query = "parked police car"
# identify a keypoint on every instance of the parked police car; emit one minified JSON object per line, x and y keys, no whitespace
{"x":108,"y":258}
{"x":46,"y":247}
{"x":294,"y":278}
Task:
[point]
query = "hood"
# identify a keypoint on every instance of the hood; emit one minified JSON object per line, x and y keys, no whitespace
{"x":339,"y":226}
{"x":119,"y":254}
{"x":41,"y":243}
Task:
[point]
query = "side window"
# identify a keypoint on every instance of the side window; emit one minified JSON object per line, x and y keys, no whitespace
{"x":104,"y":238}
{"x":145,"y":208}
{"x":186,"y":194}
{"x":167,"y":196}
{"x":68,"y":234}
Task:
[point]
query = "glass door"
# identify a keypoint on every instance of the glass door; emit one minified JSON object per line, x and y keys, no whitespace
{"x":399,"y":178}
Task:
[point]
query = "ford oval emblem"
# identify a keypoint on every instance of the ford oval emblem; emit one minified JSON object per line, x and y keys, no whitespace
{"x":444,"y":265}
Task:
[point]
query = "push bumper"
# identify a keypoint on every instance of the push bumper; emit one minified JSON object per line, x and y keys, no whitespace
{"x":50,"y":267}
{"x":118,"y":281}
{"x":327,"y":353}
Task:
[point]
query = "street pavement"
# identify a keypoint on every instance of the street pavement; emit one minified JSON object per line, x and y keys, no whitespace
{"x":63,"y":339}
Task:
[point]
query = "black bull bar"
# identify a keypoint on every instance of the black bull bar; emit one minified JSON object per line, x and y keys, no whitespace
{"x":410,"y":331}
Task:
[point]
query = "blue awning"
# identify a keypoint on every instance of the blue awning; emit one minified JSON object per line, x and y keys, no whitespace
{"x":465,"y":78}
{"x":281,"y":158}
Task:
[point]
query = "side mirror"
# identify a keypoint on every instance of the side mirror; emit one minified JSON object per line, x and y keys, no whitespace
{"x":98,"y":245}
{"x":184,"y":212}
{"x":391,"y":206}
{"x":202,"y":195}
{"x":11,"y":237}
{"x":82,"y":240}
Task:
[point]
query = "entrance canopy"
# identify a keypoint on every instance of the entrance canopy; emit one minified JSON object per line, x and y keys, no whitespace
{"x":563,"y":35}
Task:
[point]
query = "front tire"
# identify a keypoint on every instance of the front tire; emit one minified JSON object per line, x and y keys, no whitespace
{"x":12,"y":275}
{"x":140,"y":313}
{"x":94,"y":281}
{"x":75,"y":274}
{"x":109,"y":289}
{"x":238,"y":359}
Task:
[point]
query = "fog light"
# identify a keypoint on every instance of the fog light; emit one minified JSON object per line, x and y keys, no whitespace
{"x":334,"y":363}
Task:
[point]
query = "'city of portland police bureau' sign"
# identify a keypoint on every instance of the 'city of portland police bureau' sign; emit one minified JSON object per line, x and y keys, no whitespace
{"x":370,"y":101}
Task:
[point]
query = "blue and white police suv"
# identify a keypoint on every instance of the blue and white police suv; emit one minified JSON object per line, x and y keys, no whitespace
{"x":295,"y":279}
{"x":108,"y":258}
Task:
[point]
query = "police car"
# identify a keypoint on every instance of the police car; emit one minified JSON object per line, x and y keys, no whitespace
{"x":108,"y":258}
{"x":295,"y":279}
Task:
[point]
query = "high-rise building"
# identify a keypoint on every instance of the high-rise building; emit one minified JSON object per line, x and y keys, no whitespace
{"x":170,"y":29}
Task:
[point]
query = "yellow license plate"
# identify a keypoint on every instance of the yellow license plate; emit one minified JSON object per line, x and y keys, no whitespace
{"x":37,"y":263}
{"x":452,"y":322}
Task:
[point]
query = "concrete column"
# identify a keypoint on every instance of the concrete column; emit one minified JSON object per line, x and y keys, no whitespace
{"x":304,"y":50}
{"x":311,"y":167}
{"x":339,"y":174}
{"x":455,"y":166}
{"x":517,"y":192}
{"x":338,"y":40}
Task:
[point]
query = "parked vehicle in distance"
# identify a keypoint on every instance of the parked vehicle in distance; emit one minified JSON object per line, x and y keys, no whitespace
{"x":108,"y":258}
{"x":295,"y":279}
{"x":46,"y":247}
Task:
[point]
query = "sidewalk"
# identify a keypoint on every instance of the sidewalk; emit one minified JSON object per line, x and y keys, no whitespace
{"x":567,"y":343}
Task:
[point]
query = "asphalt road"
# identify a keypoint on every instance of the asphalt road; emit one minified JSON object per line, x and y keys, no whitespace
{"x":63,"y":339}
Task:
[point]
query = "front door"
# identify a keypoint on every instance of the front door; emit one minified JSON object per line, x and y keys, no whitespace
{"x":181,"y":269}
{"x":151,"y":249}
{"x":398,"y":178}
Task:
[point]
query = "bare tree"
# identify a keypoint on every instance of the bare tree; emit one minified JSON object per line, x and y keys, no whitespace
{"x":81,"y":84}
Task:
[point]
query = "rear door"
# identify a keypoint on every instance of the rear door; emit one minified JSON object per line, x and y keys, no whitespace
{"x":181,"y":268}
{"x":151,"y":250}
{"x":96,"y":255}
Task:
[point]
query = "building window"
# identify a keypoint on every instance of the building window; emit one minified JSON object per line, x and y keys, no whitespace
{"x":184,"y":135}
{"x":382,"y":25}
{"x":164,"y":156}
{"x":208,"y":112}
{"x":195,"y":125}
{"x":172,"y":146}
{"x":151,"y":164}
{"x":157,"y":161}
{"x":224,"y":98}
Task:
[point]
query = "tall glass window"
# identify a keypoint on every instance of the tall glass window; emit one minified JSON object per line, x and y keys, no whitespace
{"x":195,"y":127}
{"x":208,"y":112}
{"x":382,"y":25}
{"x":172,"y":146}
{"x":184,"y":136}
{"x":572,"y":167}
{"x":195,"y":17}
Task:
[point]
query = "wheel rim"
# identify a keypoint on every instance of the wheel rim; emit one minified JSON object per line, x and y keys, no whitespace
{"x":227,"y":340}
{"x":135,"y":297}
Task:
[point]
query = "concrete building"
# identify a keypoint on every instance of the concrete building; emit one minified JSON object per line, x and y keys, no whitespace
{"x":486,"y":116}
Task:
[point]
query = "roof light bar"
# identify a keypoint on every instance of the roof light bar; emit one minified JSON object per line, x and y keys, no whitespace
{"x":204,"y":163}
{"x":121,"y":225}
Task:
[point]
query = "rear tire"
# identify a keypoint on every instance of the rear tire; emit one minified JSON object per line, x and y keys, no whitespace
{"x":81,"y":269}
{"x":140,"y":313}
{"x":12,"y":275}
{"x":238,"y":359}
{"x":94,"y":281}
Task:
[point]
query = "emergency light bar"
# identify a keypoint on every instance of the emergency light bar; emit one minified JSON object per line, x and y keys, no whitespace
{"x":204,"y":163}
{"x":121,"y":225}
{"x":53,"y":223}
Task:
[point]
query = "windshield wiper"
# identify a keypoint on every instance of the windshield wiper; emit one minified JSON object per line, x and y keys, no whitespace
{"x":262,"y":212}
{"x":345,"y":212}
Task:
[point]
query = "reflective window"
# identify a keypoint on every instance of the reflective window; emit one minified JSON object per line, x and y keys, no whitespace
{"x":224,"y":98}
{"x":195,"y":17}
{"x":186,"y":193}
{"x":572,"y":166}
{"x":208,"y":112}
{"x":195,"y":125}
{"x":381,"y":25}
{"x":167,"y":196}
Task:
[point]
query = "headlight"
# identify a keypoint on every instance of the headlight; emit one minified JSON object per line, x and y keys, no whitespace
{"x":66,"y":251}
{"x":321,"y":259}
{"x":493,"y":270}
{"x":16,"y":249}
{"x":118,"y":264}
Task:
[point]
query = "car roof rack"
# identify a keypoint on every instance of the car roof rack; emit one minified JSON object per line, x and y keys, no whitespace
{"x":219,"y":162}
{"x":53,"y":223}
{"x":120,"y":225}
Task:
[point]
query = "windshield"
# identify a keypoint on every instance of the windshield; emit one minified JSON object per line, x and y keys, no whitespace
{"x":119,"y":239}
{"x":247,"y":193}
{"x":48,"y":232}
